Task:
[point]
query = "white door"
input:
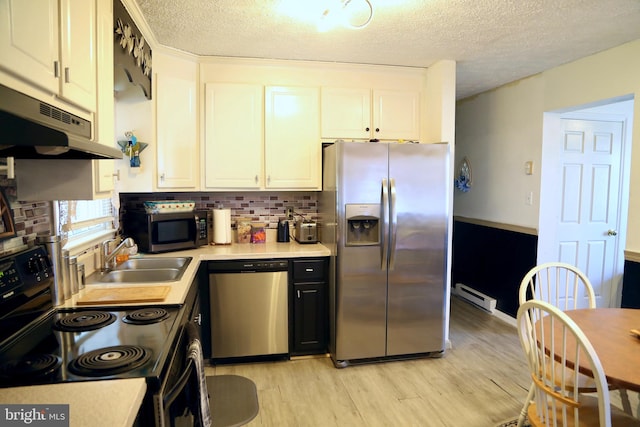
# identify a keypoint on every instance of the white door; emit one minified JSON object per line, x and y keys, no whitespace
{"x":589,"y":188}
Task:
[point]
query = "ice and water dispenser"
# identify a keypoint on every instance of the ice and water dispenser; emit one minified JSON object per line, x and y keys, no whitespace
{"x":363,"y":224}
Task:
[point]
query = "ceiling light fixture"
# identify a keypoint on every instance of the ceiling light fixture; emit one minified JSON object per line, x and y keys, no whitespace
{"x":347,"y":13}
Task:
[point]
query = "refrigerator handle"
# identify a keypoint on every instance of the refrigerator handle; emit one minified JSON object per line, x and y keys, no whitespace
{"x":384,"y":246}
{"x":394,"y":223}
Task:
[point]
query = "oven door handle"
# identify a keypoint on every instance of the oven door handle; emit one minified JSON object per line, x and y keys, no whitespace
{"x":180,"y":385}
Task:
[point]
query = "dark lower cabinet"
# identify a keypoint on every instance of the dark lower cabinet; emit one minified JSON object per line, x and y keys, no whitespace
{"x":310,"y":313}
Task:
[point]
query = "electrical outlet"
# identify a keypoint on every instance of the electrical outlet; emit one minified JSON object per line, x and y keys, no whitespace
{"x":529,"y":200}
{"x":289,"y":212}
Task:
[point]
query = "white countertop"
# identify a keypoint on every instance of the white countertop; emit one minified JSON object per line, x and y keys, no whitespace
{"x":91,"y":403}
{"x":179,"y":289}
{"x":116,"y":402}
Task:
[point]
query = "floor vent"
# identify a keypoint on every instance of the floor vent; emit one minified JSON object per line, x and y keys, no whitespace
{"x":478,"y":298}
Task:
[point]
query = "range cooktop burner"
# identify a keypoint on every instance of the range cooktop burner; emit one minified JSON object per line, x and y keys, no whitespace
{"x":145,"y":316}
{"x":31,"y":366}
{"x":84,"y":321}
{"x":109,"y":361}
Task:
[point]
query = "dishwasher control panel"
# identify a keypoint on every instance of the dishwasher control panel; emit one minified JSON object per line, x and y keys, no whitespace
{"x":240,"y":266}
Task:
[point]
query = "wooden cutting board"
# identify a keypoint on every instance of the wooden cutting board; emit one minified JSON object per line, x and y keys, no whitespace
{"x":123,"y":295}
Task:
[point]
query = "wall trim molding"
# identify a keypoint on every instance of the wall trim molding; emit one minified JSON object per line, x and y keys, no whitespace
{"x":632,"y":256}
{"x":499,"y":225}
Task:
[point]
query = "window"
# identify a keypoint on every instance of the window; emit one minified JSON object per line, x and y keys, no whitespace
{"x":82,"y":219}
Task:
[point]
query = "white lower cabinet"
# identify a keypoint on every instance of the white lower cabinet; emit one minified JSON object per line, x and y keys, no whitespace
{"x":259,"y":137}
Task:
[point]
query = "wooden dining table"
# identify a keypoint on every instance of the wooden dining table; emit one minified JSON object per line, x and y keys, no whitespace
{"x":609,"y":331}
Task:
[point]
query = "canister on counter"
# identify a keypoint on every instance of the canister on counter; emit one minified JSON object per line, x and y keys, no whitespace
{"x":244,"y":230}
{"x":258,"y":232}
{"x":81,"y":278}
{"x":73,"y":275}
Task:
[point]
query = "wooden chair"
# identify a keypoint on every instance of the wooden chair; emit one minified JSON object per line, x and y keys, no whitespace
{"x":555,"y":401}
{"x":561,"y":284}
{"x":567,"y":288}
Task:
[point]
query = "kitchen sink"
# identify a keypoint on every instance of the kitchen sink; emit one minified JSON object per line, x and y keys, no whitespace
{"x":142,"y":276}
{"x":154,"y":263}
{"x":144,"y":271}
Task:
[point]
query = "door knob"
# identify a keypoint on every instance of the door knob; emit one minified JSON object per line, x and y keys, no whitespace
{"x":612,"y":233}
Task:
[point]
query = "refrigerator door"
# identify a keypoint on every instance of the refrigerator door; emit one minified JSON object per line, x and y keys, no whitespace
{"x":361,"y":277}
{"x":417,"y":254}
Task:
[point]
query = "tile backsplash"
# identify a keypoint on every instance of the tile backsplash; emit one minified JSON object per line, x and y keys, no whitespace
{"x":264,"y":207}
{"x":31,"y":219}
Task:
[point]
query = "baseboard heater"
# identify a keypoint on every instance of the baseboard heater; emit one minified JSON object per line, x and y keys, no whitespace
{"x":478,"y":298}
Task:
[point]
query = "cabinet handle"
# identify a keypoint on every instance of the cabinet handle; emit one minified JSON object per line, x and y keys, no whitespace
{"x":377,"y":129}
{"x":66,"y":74}
{"x":367,"y":129}
{"x":56,"y":69}
{"x":309,"y":270}
{"x":198,"y":319}
{"x":162,"y":176}
{"x":268,"y":179}
{"x":256,"y":179}
{"x":298,"y":293}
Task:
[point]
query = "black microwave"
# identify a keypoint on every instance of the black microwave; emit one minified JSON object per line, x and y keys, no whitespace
{"x":164,"y":232}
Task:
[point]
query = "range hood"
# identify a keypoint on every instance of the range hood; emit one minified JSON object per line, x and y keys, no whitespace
{"x":32,"y":129}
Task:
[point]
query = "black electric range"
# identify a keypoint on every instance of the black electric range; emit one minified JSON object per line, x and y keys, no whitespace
{"x":42,"y":344}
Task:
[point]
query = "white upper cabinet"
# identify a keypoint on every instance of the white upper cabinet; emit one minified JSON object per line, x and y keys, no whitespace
{"x":78,"y":52}
{"x":259,"y":138}
{"x":356,"y":113}
{"x":234,"y":129}
{"x":29,"y":41}
{"x":79,"y":179}
{"x":293,"y":150}
{"x":51,"y":44}
{"x":176,"y":132}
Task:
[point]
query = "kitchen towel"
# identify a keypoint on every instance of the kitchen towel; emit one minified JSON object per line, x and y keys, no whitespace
{"x":221,"y":226}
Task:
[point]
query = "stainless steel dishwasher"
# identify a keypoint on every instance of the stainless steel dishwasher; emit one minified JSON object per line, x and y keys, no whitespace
{"x":249,"y":308}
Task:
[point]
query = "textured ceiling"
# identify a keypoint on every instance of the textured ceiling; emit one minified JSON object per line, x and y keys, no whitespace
{"x":493,"y":41}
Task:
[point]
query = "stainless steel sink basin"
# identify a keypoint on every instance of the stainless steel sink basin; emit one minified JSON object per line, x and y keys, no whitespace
{"x":142,"y":276}
{"x":144,"y":271}
{"x":154,"y":263}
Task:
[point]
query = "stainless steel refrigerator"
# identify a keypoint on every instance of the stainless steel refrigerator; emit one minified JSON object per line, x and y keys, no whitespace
{"x":384,"y":214}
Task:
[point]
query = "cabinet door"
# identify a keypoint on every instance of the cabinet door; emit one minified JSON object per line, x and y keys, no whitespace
{"x":234,"y":136}
{"x":396,"y":114}
{"x":346,"y":113}
{"x":78,"y":52}
{"x":292,"y":137}
{"x":176,"y":132}
{"x":29,"y":41}
{"x":105,"y":120}
{"x":310,"y":318}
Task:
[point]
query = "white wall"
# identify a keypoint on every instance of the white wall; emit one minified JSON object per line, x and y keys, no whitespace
{"x":501,"y":129}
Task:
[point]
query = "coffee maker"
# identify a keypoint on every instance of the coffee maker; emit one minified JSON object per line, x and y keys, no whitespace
{"x":283,"y":230}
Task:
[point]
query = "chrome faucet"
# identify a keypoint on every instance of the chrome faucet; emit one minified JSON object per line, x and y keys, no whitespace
{"x":106,"y":257}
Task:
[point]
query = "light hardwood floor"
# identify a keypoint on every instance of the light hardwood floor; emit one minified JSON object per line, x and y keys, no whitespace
{"x":479,"y":382}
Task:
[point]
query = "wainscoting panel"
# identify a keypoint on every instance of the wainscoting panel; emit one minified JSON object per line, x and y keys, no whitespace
{"x":492,"y":260}
{"x":631,"y":285}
